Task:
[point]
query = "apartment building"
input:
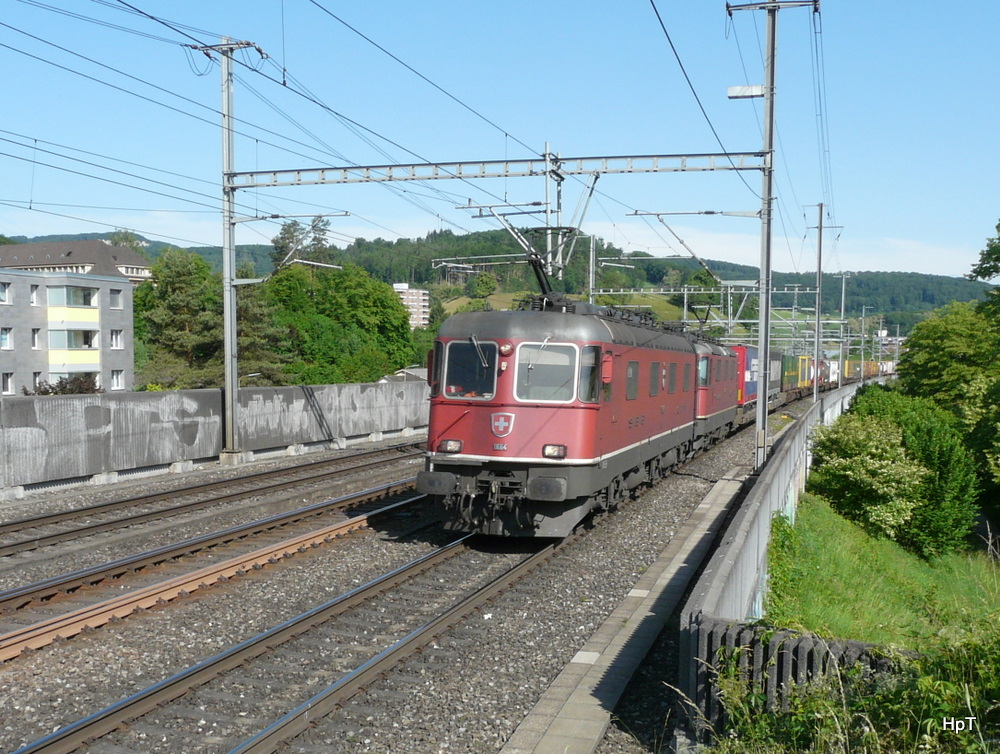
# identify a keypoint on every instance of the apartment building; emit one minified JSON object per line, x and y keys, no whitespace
{"x":416,"y":301}
{"x":66,"y":310}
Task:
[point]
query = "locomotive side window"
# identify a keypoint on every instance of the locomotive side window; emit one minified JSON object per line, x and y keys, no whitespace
{"x":590,"y":374}
{"x":704,"y":372}
{"x":632,"y":381}
{"x":654,"y":378}
{"x":545,"y":372}
{"x":471,"y":370}
{"x":607,"y":368}
{"x":672,"y":380}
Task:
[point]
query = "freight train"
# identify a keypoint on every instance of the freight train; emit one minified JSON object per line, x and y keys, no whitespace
{"x":540,"y":415}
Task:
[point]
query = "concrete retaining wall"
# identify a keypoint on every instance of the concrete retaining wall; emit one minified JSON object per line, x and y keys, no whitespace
{"x":47,"y":439}
{"x":731,"y":587}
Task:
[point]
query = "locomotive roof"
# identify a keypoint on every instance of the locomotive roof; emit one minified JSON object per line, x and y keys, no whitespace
{"x":560,"y":326}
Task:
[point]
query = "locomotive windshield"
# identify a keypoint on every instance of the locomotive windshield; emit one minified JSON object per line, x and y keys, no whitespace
{"x":545,"y":372}
{"x":471,"y":370}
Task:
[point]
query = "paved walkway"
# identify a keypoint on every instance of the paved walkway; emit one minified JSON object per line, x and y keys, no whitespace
{"x":574,"y":713}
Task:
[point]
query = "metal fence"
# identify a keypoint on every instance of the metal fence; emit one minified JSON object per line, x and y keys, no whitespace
{"x":769,"y":663}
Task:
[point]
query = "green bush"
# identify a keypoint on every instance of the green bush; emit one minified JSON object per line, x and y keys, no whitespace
{"x":861,"y":468}
{"x":898,"y":466}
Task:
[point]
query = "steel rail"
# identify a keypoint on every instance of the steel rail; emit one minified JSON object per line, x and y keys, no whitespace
{"x":44,"y":632}
{"x":13,"y":599}
{"x":33,"y":543}
{"x":45,"y":519}
{"x":70,"y":624}
{"x":75,"y":735}
{"x":329,"y":699}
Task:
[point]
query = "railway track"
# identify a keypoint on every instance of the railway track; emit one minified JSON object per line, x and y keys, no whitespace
{"x":37,"y":614}
{"x":32,"y":533}
{"x":265,"y":691}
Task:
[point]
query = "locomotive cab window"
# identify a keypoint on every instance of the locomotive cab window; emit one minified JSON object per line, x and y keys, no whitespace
{"x":471,"y":370}
{"x":545,"y":372}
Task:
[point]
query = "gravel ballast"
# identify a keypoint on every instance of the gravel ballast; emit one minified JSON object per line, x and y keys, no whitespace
{"x":467,"y":693}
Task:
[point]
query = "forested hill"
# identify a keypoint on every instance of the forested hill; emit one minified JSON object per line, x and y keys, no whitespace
{"x":903,"y":296}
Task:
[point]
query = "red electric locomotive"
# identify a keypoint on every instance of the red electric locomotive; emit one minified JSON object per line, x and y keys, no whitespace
{"x":540,"y":415}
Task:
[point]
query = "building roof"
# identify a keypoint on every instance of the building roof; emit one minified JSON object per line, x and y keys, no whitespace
{"x":409,"y":374}
{"x":95,"y":257}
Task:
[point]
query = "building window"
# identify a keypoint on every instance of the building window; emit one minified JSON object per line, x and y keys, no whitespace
{"x":115,"y":297}
{"x":36,"y":333}
{"x":117,"y":379}
{"x":71,"y":295}
{"x":33,"y":298}
{"x":5,"y":337}
{"x":36,"y":379}
{"x":117,"y":342}
{"x":7,"y":386}
{"x":72,"y":338}
{"x":4,"y":293}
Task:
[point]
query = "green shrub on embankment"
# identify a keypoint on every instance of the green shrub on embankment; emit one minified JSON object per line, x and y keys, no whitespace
{"x":884,"y":558}
{"x":899,"y":467}
{"x":831,"y":577}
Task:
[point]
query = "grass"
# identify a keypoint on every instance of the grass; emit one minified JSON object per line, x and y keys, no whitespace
{"x":829,"y":577}
{"x":834,"y":580}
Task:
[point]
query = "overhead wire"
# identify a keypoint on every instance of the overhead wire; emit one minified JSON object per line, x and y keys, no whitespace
{"x":127,"y":91}
{"x":138,"y":95}
{"x":422,"y":76}
{"x":694,"y":92}
{"x":343,"y":118}
{"x":350,"y":123}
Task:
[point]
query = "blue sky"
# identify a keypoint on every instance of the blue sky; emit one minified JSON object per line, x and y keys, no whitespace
{"x":886,"y":113}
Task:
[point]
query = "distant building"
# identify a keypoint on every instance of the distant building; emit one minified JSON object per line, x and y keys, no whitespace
{"x":417,"y":302}
{"x":66,"y":310}
{"x":83,"y":257}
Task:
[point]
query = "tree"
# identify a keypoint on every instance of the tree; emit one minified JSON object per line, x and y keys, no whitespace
{"x":128,"y":239}
{"x":179,"y":311}
{"x":946,"y":512}
{"x":952,"y":358}
{"x":259,"y":339}
{"x":341,"y":325}
{"x":988,"y":268}
{"x":296,"y":240}
{"x":861,"y":468}
{"x":481,"y":285}
{"x":78,"y":384}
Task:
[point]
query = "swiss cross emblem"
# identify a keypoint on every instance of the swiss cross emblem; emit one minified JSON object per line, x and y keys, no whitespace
{"x":501,"y":424}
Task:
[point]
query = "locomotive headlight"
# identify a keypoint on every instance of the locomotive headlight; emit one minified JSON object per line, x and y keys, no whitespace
{"x":450,"y":446}
{"x":554,"y":451}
